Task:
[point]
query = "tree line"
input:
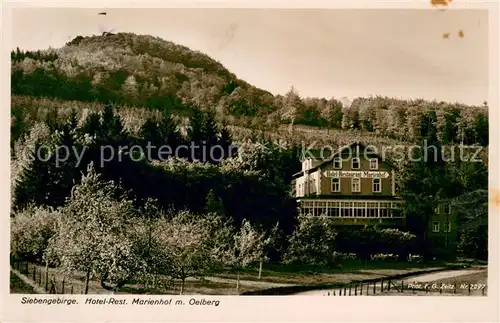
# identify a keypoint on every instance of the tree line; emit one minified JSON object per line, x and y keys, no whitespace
{"x":133,"y":70}
{"x":427,"y":183}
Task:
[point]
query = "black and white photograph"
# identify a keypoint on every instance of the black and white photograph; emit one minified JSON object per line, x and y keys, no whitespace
{"x":206,"y":152}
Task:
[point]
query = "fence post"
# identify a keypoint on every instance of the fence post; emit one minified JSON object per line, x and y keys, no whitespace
{"x":367,"y":289}
{"x":71,"y":289}
{"x":469,"y":288}
{"x":34,"y":274}
{"x":361,"y":289}
{"x":382,"y":285}
{"x":345,"y":289}
{"x":374,"y":288}
{"x":47,"y":279}
{"x":356,"y":290}
{"x":40,"y":277}
{"x":63,"y":286}
{"x":455,"y":289}
{"x":349,"y":290}
{"x":27,"y":268}
{"x":402,"y":286}
{"x":389,"y":286}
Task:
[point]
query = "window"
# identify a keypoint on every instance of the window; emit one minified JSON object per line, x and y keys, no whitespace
{"x":446,"y":209}
{"x":377,"y":185}
{"x":447,"y":226}
{"x":372,"y":210}
{"x":435,"y":227}
{"x":373,"y":163}
{"x":355,"y":163}
{"x":436,"y":209}
{"x":355,"y":185}
{"x":337,"y":163}
{"x":335,"y":184}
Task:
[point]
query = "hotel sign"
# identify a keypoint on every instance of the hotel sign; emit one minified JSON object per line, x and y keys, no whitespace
{"x":351,"y":174}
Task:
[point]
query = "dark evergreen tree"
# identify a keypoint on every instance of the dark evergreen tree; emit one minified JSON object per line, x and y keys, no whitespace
{"x":48,"y":179}
{"x":214,"y":204}
{"x":481,"y":130}
{"x":196,"y":132}
{"x":112,"y":128}
{"x":151,"y":137}
{"x":158,"y":134}
{"x":18,"y":126}
{"x":92,"y":124}
{"x":169,"y":132}
{"x":52,"y":119}
{"x":73,"y":121}
{"x":196,"y":122}
{"x":225,"y":141}
{"x":63,"y":166}
{"x":210,"y":129}
{"x":210,"y":138}
{"x":34,"y":179}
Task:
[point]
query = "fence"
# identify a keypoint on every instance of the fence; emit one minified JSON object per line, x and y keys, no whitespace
{"x":388,"y":287}
{"x":43,"y":278}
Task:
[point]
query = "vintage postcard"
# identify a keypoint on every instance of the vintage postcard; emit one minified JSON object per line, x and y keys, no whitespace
{"x":242,"y":161}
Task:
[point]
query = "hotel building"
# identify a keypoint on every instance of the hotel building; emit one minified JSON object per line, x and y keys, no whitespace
{"x":355,"y":186}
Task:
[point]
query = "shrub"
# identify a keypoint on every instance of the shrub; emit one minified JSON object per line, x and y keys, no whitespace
{"x":31,"y":230}
{"x":384,"y":256}
{"x":313,"y":242}
{"x":370,"y":241}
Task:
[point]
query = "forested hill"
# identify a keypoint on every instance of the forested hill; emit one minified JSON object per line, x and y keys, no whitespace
{"x":134,"y":70}
{"x":146,"y":71}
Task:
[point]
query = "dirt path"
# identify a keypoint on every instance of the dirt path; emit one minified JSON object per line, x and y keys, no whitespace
{"x":250,"y":283}
{"x":77,"y":281}
{"x":430,"y":277}
{"x":442,"y":275}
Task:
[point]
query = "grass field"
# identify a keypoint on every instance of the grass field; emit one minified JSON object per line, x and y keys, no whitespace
{"x":349,"y":271}
{"x":273,"y":275}
{"x":17,"y":286}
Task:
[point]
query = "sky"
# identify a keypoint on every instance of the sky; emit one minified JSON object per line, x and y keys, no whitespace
{"x":321,"y":53}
